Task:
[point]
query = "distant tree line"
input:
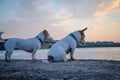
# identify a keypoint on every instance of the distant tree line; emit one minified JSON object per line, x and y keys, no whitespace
{"x":100,"y":44}
{"x":2,"y":46}
{"x":47,"y":45}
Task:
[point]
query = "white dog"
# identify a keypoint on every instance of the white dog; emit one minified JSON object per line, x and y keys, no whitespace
{"x":66,"y":45}
{"x":30,"y":45}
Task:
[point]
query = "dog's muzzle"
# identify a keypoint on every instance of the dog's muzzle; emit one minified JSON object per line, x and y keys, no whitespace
{"x":82,"y":42}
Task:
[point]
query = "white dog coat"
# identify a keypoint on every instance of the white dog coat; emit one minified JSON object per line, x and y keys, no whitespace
{"x":30,"y":45}
{"x":68,"y":44}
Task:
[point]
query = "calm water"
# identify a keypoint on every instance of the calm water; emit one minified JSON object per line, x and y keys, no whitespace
{"x":80,"y":53}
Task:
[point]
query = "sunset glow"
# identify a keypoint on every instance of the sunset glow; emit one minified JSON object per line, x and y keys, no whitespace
{"x":26,"y":18}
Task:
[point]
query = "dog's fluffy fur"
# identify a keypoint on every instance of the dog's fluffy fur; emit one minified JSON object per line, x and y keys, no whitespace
{"x":30,"y":45}
{"x":66,"y":45}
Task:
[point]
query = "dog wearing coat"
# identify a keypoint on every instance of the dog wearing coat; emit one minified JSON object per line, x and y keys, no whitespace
{"x":66,"y":45}
{"x":30,"y":45}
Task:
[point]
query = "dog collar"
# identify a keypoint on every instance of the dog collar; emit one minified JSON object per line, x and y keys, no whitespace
{"x":72,"y":35}
{"x":39,"y":40}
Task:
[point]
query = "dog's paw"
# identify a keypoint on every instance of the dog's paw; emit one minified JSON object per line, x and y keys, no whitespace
{"x":69,"y":60}
{"x":72,"y":59}
{"x":33,"y":60}
{"x":7,"y":60}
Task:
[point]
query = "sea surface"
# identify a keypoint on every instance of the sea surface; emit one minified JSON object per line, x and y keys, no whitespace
{"x":104,"y":53}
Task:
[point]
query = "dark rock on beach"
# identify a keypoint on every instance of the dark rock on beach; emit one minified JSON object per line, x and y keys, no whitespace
{"x":72,"y":70}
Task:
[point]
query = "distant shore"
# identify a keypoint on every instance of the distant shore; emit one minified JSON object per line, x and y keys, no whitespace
{"x":72,"y":70}
{"x":47,"y":45}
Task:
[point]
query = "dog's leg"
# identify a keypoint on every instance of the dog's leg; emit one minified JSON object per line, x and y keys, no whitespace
{"x":71,"y":54}
{"x":33,"y":55}
{"x":64,"y":57}
{"x":8,"y":56}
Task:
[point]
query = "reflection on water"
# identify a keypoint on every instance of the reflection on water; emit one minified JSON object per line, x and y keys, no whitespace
{"x":80,"y":53}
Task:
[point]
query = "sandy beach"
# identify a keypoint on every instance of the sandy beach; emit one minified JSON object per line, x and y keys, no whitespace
{"x":72,"y":70}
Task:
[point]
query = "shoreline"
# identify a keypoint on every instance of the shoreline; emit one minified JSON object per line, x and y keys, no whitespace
{"x":96,"y":44}
{"x":72,"y":70}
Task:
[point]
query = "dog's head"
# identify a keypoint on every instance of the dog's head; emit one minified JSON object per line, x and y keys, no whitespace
{"x":44,"y":35}
{"x":82,"y":36}
{"x":47,"y":36}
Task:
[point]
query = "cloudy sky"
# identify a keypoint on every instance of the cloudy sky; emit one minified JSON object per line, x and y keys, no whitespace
{"x":26,"y":18}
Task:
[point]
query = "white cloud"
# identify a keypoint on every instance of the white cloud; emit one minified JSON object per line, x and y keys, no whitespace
{"x":104,"y":8}
{"x":62,"y":16}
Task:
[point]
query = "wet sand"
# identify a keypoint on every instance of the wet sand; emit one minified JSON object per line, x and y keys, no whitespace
{"x":72,"y":70}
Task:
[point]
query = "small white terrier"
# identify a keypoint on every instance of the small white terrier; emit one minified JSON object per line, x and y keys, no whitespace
{"x":66,"y":45}
{"x":30,"y":45}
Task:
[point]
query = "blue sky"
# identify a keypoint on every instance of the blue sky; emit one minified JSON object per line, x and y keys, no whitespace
{"x":26,"y":18}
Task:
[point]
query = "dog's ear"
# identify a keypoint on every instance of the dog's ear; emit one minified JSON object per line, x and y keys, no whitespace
{"x":46,"y":33}
{"x":84,"y":29}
